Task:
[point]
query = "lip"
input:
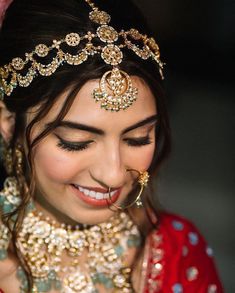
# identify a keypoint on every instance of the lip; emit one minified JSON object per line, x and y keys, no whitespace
{"x":93,"y":201}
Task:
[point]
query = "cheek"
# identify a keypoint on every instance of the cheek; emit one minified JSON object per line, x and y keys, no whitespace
{"x":148,"y":156}
{"x":54,"y":164}
{"x":141,"y":158}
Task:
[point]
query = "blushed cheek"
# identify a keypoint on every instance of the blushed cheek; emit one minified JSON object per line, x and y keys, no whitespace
{"x":143,"y":159}
{"x":147,"y":160}
{"x":53,"y":165}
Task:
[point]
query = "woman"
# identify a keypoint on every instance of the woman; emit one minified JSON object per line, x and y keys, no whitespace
{"x":85,"y":127}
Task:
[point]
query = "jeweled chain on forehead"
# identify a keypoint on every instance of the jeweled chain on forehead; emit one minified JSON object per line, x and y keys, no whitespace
{"x":115,"y":91}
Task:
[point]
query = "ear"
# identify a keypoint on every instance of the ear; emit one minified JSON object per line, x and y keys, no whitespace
{"x":7,"y":123}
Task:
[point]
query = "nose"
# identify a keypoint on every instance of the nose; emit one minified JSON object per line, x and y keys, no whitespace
{"x":110,"y":168}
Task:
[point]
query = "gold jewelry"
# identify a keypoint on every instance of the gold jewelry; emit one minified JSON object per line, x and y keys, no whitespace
{"x":43,"y":244}
{"x":115,"y":91}
{"x":13,"y":158}
{"x":19,"y":159}
{"x":8,"y":159}
{"x":143,"y":181}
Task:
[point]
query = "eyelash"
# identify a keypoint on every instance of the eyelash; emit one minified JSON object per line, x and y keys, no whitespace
{"x":71,"y":147}
{"x":138,"y":142}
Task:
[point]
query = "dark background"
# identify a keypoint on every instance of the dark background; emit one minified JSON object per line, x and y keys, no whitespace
{"x":197,"y":43}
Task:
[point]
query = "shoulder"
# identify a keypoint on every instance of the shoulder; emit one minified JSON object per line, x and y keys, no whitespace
{"x":181,"y":237}
{"x":186,"y":262}
{"x":8,"y":267}
{"x":9,"y":281}
{"x":180,"y":231}
{"x":174,"y":221}
{"x":180,"y":228}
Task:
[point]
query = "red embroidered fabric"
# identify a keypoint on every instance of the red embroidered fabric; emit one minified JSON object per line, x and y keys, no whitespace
{"x":180,"y":261}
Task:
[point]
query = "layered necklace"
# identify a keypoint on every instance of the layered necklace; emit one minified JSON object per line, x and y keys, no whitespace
{"x":53,"y":253}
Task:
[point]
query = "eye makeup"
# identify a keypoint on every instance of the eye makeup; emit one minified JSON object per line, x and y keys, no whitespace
{"x":72,"y":146}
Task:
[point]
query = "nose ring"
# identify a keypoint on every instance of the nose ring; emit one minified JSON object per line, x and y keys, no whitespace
{"x":143,"y":178}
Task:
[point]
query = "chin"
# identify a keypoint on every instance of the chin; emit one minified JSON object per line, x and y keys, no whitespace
{"x":92,"y":217}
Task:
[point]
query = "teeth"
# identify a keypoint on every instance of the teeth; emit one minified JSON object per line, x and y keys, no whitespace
{"x":85,"y":191}
{"x":91,"y":193}
{"x":99,"y":195}
{"x":106,"y":196}
{"x":94,"y":194}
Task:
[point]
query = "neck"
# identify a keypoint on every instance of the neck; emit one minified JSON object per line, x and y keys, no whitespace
{"x":48,"y":210}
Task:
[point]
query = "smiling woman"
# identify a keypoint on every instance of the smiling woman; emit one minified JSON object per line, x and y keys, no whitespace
{"x":90,"y":150}
{"x":85,"y":127}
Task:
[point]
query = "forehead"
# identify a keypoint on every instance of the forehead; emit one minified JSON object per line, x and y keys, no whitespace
{"x":87,"y":111}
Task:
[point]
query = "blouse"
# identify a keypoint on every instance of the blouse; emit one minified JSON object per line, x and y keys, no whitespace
{"x":178,"y":259}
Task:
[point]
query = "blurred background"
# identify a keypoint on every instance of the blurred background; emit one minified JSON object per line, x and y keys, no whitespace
{"x":196,"y":39}
{"x":198,"y":181}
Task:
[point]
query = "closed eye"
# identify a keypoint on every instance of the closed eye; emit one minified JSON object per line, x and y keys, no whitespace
{"x":72,"y":146}
{"x":137,"y":142}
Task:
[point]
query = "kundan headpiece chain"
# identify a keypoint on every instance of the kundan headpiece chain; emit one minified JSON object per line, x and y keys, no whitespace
{"x":115,"y":90}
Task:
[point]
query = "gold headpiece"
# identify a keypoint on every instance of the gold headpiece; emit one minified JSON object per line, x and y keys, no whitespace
{"x":115,"y":91}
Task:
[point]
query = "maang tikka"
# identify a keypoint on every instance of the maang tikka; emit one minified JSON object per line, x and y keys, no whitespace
{"x":115,"y":91}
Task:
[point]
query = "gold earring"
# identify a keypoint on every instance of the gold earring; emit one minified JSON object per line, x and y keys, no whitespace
{"x":8,"y":159}
{"x":13,"y":158}
{"x":19,"y":159}
{"x":143,"y":181}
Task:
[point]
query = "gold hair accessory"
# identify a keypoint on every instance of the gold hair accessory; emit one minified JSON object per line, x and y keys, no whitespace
{"x":143,"y":182}
{"x":115,"y":91}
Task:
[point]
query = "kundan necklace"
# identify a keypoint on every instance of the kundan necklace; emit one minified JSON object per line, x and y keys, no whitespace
{"x":53,"y":251}
{"x":43,"y":243}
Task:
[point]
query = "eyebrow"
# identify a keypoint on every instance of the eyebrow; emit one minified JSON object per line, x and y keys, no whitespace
{"x":84,"y":127}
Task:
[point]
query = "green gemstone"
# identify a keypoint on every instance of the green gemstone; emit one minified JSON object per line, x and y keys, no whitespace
{"x":22,"y":277}
{"x":109,"y":284}
{"x":7,"y":208}
{"x":43,"y":286}
{"x":52,"y":275}
{"x":21,"y":274}
{"x":2,"y":199}
{"x":95,"y":278}
{"x":134,"y":241}
{"x":24,"y":285}
{"x":58,"y":285}
{"x":3,"y":254}
{"x":103,"y":279}
{"x":119,"y":250}
{"x":30,"y":206}
{"x":14,"y":217}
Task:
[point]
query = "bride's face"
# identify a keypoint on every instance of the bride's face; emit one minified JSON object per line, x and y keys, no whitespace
{"x":91,"y":151}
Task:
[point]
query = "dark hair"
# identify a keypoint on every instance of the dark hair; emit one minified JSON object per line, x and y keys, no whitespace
{"x":31,"y":22}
